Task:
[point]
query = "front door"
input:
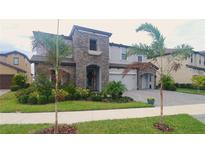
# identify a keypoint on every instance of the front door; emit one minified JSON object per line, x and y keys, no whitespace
{"x":92,"y":78}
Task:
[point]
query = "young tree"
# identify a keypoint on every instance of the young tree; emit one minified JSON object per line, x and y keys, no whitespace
{"x":157,"y":49}
{"x":56,"y":50}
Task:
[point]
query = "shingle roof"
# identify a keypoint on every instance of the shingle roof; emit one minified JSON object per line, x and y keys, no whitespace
{"x":39,"y":59}
{"x":119,"y":45}
{"x":6,"y":53}
{"x":76,"y":27}
{"x":11,"y":66}
{"x":65,"y":37}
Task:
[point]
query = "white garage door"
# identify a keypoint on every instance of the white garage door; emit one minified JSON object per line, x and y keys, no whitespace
{"x":130,"y":80}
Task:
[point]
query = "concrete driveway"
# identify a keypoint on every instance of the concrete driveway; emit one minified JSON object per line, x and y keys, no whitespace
{"x":3,"y":91}
{"x":170,"y":98}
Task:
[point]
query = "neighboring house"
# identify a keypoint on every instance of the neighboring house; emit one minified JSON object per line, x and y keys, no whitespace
{"x":95,"y":61}
{"x":11,"y":63}
{"x":195,"y":65}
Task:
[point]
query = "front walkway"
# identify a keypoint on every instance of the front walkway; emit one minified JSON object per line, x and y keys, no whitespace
{"x":171,"y":98}
{"x":81,"y":116}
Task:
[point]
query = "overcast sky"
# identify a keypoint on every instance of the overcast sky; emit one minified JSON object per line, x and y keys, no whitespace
{"x":16,"y":34}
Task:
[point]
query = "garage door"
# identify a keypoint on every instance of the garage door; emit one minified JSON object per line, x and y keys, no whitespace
{"x":5,"y":81}
{"x":130,"y":80}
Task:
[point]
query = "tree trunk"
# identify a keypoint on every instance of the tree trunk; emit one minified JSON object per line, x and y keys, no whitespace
{"x":56,"y":101}
{"x":161,"y":94}
{"x":56,"y":86}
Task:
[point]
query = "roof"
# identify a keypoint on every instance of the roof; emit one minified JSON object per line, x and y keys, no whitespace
{"x":11,"y":66}
{"x":196,"y":67}
{"x":65,"y":37}
{"x":119,"y":45}
{"x":145,"y":64}
{"x":76,"y":27}
{"x":6,"y":53}
{"x":39,"y":59}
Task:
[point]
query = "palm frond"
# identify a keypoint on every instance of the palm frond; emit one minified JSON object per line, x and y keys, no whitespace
{"x":140,"y":49}
{"x":47,"y":42}
{"x":182,"y":51}
{"x":152,"y":30}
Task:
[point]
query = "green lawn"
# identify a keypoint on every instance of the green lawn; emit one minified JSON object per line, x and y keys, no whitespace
{"x":8,"y":103}
{"x":183,"y":124}
{"x":191,"y":91}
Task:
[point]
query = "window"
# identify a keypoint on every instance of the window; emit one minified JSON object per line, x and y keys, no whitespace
{"x":204,"y":60}
{"x":139,"y":58}
{"x":124,"y":55}
{"x":191,"y":59}
{"x":93,"y":44}
{"x":15,"y":60}
{"x":200,"y":60}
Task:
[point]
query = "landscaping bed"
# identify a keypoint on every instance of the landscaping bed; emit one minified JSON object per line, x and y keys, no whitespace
{"x":181,"y":124}
{"x":8,"y":103}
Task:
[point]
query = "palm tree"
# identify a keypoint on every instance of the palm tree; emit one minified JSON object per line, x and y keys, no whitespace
{"x":57,"y":49}
{"x":157,"y":49}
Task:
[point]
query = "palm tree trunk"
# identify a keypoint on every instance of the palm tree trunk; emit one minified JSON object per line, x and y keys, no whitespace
{"x":161,"y":93}
{"x":56,"y":101}
{"x":56,"y":85}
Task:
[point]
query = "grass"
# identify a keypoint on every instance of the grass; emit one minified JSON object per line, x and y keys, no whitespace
{"x":182,"y":124}
{"x":190,"y":91}
{"x":8,"y":103}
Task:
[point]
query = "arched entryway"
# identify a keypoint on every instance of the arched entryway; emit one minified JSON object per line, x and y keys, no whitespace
{"x":93,"y":77}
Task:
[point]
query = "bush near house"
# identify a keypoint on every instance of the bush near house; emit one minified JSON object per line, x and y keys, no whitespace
{"x":198,"y":81}
{"x":114,"y":89}
{"x":168,"y":83}
{"x":19,"y":81}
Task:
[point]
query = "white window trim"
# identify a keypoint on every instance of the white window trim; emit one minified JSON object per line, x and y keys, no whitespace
{"x":122,"y":54}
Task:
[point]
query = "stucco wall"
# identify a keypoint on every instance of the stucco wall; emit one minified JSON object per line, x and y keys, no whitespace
{"x":23,"y":64}
{"x":184,"y":74}
{"x":115,"y":54}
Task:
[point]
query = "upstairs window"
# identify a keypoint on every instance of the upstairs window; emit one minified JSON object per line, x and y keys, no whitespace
{"x":200,"y":60}
{"x":124,"y":55}
{"x":191,"y":59}
{"x":93,"y":44}
{"x":16,"y":61}
{"x":139,"y":58}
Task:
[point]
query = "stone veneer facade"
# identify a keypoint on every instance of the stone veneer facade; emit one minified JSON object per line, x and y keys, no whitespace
{"x":83,"y":59}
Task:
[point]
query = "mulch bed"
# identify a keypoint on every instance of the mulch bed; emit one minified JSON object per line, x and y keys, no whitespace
{"x":62,"y":129}
{"x":163,"y":127}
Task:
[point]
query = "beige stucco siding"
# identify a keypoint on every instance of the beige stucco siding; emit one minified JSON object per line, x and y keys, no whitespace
{"x":7,"y":70}
{"x":184,"y":74}
{"x":24,"y":64}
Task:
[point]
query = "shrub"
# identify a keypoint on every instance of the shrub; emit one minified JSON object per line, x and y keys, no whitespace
{"x":51,"y":99}
{"x":198,"y":81}
{"x":123,"y":99}
{"x":33,"y":98}
{"x":19,"y":82}
{"x":22,"y":92}
{"x":15,"y":88}
{"x":70,"y":88}
{"x":61,"y":94}
{"x":43,"y":85}
{"x":81,"y":93}
{"x":96,"y":96}
{"x":168,"y":83}
{"x":115,"y":89}
{"x":42,"y":99}
{"x":23,"y":99}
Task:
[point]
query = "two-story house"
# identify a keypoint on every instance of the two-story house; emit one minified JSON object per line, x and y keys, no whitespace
{"x":95,"y":61}
{"x":11,"y":63}
{"x":193,"y":66}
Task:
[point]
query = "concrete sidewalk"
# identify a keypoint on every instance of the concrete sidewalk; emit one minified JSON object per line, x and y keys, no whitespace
{"x":81,"y":116}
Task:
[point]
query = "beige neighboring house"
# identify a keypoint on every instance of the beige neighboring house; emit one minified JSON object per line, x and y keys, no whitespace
{"x":195,"y":65}
{"x":11,"y":63}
